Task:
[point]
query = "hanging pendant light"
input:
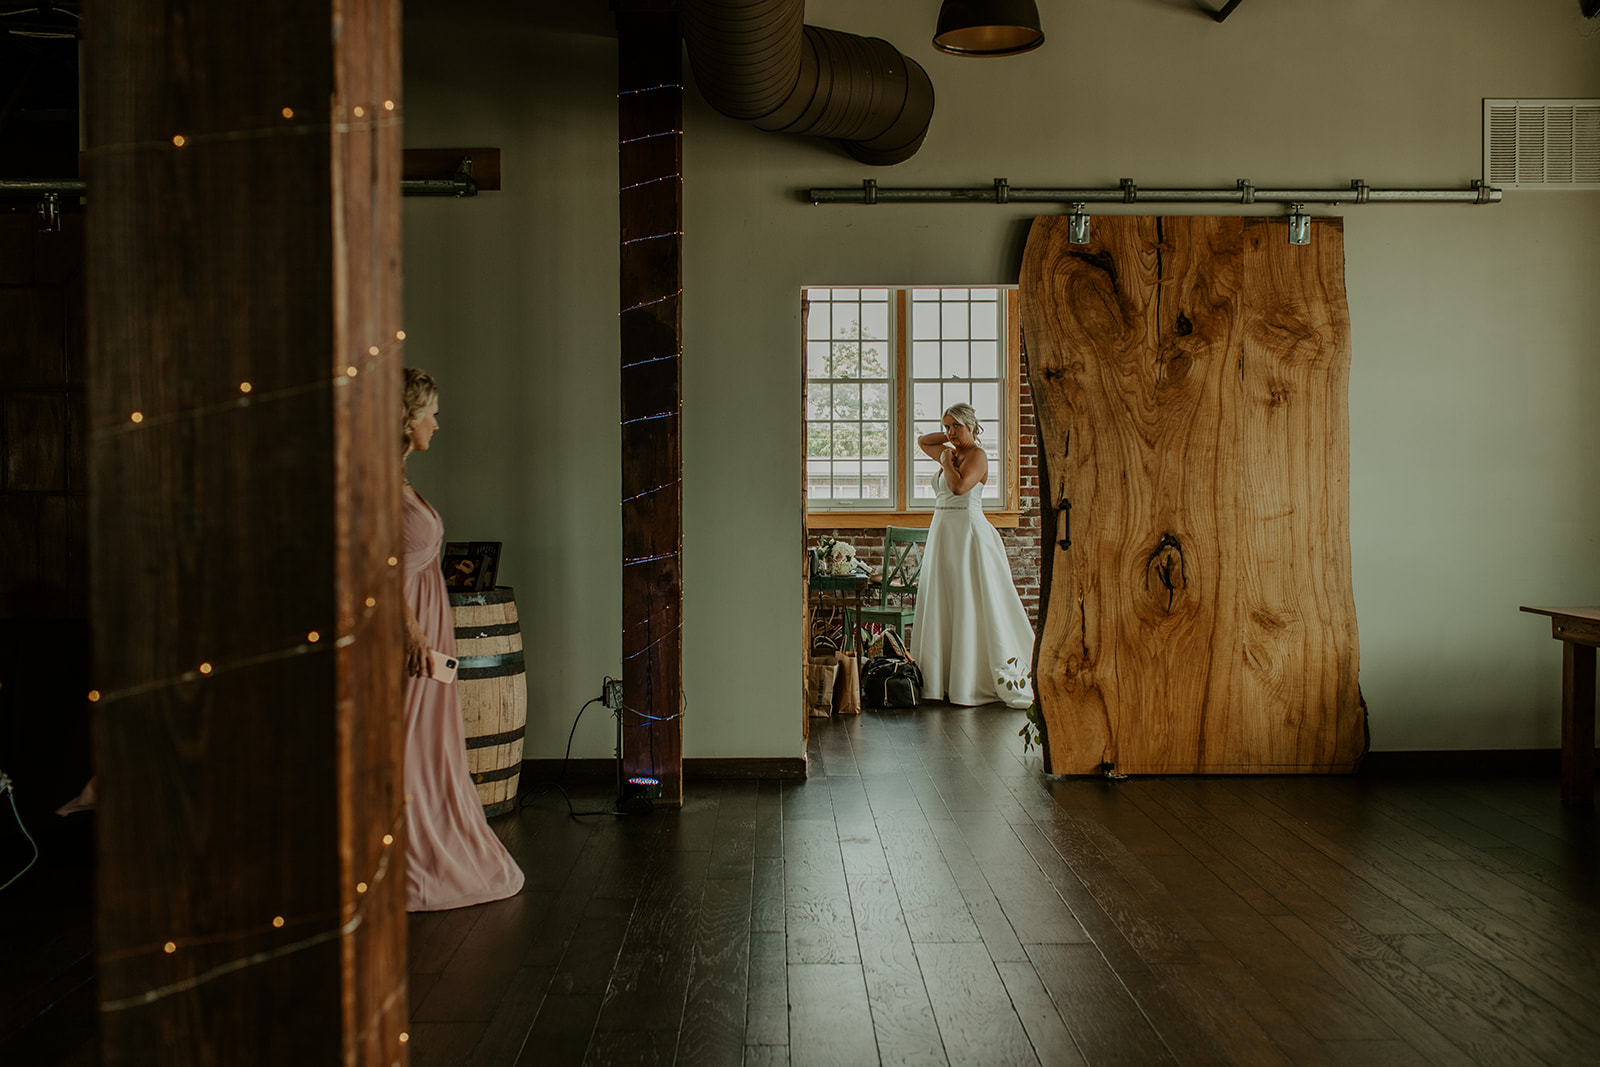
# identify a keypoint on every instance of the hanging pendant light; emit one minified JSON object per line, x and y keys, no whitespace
{"x":988,"y":27}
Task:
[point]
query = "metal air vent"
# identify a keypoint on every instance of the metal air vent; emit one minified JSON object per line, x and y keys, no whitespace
{"x":1541,"y":144}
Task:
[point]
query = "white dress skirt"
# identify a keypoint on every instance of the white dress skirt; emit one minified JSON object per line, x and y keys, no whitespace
{"x":969,"y":619}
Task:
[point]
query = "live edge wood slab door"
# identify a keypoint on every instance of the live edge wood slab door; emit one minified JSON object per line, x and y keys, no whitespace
{"x":1189,"y":376}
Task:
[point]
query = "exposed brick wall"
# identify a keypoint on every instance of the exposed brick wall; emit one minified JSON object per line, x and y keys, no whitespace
{"x":1022,"y":543}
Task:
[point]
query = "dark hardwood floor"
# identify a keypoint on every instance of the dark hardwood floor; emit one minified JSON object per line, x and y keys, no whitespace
{"x":928,"y":897}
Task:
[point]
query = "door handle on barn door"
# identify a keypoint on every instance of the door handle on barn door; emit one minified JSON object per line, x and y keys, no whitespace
{"x":1064,"y":523}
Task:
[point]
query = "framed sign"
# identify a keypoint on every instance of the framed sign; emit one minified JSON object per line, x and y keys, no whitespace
{"x":471,"y":566}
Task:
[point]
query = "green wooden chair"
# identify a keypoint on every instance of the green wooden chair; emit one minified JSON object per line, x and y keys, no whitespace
{"x":902,"y":567}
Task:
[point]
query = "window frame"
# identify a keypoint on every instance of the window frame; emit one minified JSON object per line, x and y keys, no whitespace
{"x":1007,"y":512}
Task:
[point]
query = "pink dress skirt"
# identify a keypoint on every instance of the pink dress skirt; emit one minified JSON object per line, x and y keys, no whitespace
{"x":453,"y":858}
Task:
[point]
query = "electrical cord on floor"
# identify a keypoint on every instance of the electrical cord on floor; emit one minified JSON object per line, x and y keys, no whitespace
{"x":562,"y":777}
{"x":9,"y":788}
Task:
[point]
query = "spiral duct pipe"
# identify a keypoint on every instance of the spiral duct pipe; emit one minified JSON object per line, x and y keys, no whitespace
{"x":755,"y":60}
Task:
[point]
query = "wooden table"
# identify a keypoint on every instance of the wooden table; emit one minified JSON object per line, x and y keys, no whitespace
{"x":1578,"y":630}
{"x":835,"y":586}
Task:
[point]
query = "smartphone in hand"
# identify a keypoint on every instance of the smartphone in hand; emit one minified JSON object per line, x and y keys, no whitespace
{"x":441,"y":668}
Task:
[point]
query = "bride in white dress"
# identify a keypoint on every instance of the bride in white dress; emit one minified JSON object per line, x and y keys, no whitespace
{"x":970,"y":627}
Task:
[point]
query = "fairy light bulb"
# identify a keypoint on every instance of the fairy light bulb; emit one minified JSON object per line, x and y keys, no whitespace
{"x":388,"y":105}
{"x":404,"y":1037}
{"x":277,"y":920}
{"x":205,"y":668}
{"x":361,"y":887}
{"x":245,"y":387}
{"x":359,"y":110}
{"x":372,"y":602}
{"x":288,"y":112}
{"x":399,"y":335}
{"x":94,"y":696}
{"x":169,"y":948}
{"x":137,"y":416}
{"x":372,"y":351}
{"x":179,"y":140}
{"x":351,"y":371}
{"x":388,"y":839}
{"x":313,"y":637}
{"x":392,"y":561}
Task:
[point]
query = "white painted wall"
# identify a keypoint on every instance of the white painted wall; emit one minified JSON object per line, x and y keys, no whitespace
{"x":1475,"y":481}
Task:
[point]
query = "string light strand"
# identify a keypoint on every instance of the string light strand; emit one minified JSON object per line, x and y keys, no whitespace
{"x":652,"y":181}
{"x":250,"y":396}
{"x":652,"y":359}
{"x":278,"y":128}
{"x":636,"y":560}
{"x":150,"y":996}
{"x":653,"y":237}
{"x":650,"y":418}
{"x":648,"y":89}
{"x":658,"y":300}
{"x":171,"y":946}
{"x":247,"y":399}
{"x":650,"y":136}
{"x":653,"y":644}
{"x":648,"y":492}
{"x":218,"y":667}
{"x":648,"y":718}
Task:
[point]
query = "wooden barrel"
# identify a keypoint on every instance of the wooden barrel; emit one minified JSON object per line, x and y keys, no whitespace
{"x":492,"y":680}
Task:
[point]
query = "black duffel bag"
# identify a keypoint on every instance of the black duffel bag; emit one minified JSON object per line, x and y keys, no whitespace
{"x":887,"y":682}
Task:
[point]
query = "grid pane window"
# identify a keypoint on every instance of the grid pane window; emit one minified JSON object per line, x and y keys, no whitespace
{"x":942,"y":346}
{"x":849,"y":386}
{"x":959,"y":363}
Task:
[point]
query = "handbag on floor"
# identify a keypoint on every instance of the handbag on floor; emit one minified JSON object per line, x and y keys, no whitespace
{"x":891,"y":683}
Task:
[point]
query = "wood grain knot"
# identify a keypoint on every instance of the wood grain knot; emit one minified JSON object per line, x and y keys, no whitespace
{"x":1183,"y":327}
{"x":1268,"y":620}
{"x":1100,"y":261}
{"x":1166,"y":567}
{"x":1174,"y":366}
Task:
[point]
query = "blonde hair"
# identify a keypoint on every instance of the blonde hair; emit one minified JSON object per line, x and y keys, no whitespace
{"x":418,"y":393}
{"x":964,"y":414}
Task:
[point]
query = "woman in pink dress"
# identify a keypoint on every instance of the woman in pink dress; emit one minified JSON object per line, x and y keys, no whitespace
{"x":453,"y":858}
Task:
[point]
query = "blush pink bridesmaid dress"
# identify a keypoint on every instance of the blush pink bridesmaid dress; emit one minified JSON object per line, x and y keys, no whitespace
{"x":453,"y":858}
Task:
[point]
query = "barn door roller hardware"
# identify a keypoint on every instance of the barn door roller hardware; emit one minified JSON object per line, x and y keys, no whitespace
{"x":1003,"y":192}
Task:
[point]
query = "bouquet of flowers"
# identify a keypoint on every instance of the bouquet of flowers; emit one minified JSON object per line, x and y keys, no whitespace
{"x":838,"y":557}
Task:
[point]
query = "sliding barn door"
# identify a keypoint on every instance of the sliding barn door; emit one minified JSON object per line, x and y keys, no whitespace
{"x":1189,"y":376}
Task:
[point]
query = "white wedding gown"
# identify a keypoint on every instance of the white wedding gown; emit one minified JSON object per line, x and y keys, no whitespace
{"x":969,"y":620}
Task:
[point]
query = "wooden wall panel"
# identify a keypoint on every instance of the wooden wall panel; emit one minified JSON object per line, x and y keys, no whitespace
{"x":248,"y":740}
{"x":650,"y":168}
{"x":1189,"y":380}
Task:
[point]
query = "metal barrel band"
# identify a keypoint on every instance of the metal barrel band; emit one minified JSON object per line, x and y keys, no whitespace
{"x":471,"y":633}
{"x":471,"y":667}
{"x":492,"y":740}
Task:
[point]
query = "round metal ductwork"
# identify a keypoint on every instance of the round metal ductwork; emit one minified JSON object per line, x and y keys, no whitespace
{"x":755,"y":60}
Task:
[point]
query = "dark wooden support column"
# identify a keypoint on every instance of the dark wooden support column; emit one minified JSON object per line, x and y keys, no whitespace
{"x":650,"y":167}
{"x":244,"y":347}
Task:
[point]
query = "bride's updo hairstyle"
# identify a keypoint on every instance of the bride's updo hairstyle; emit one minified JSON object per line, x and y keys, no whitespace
{"x":418,"y":394}
{"x":963,"y":414}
